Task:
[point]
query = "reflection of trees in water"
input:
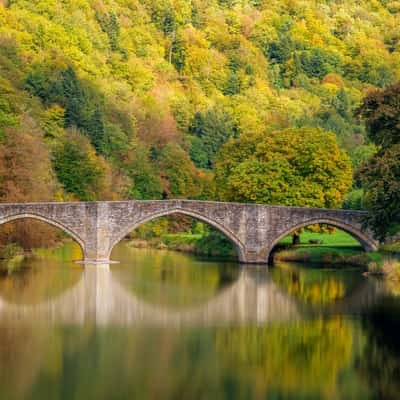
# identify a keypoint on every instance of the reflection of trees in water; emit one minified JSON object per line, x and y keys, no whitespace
{"x":393,"y":287}
{"x":20,"y":358}
{"x":304,"y":359}
{"x":316,"y":286}
{"x":379,"y":366}
{"x":319,"y":358}
{"x":322,"y":358}
{"x":301,"y":359}
{"x":42,"y":279}
{"x":171,"y":278}
{"x":31,"y":353}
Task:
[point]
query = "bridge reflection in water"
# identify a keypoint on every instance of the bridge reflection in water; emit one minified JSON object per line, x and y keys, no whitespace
{"x":100,"y":299}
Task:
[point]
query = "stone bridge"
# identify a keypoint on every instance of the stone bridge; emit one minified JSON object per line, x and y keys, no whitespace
{"x":253,"y":229}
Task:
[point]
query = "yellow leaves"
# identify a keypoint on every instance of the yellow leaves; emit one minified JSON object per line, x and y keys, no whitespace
{"x":310,"y":30}
{"x":59,"y":195}
{"x":53,"y":121}
{"x":263,"y":31}
{"x":333,"y":79}
{"x":214,"y":43}
{"x":317,"y":41}
{"x":183,"y":11}
{"x":247,"y":119}
{"x":309,"y":356}
{"x":194,"y":37}
{"x":141,"y":78}
{"x":302,"y":167}
{"x":394,"y":7}
{"x":330,"y":89}
{"x":207,"y":66}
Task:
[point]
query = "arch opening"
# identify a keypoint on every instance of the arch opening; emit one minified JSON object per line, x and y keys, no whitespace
{"x":172,"y":279}
{"x":345,"y":238}
{"x":199,"y":229}
{"x":36,"y":260}
{"x":31,"y":231}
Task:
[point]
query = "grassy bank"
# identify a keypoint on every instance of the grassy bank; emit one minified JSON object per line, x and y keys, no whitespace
{"x":210,"y":244}
{"x":339,"y":239}
{"x":341,"y":249}
{"x":324,"y":256}
{"x":12,"y":255}
{"x":338,"y":249}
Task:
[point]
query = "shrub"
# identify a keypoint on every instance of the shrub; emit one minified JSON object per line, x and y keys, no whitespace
{"x":9,"y":251}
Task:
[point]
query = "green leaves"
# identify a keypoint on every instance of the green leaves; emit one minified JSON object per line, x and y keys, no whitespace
{"x":302,"y":167}
{"x":381,"y":180}
{"x":83,"y":104}
{"x":131,"y":75}
{"x":81,"y":173}
{"x":213,"y":127}
{"x":380,"y":176}
{"x":109,"y":24}
{"x":7,"y":117}
{"x":381,"y":113}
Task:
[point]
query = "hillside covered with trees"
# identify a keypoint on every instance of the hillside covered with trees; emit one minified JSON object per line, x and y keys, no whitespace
{"x":204,"y":99}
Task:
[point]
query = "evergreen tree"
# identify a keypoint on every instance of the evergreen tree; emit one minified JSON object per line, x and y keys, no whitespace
{"x":72,"y":97}
{"x":214,"y":127}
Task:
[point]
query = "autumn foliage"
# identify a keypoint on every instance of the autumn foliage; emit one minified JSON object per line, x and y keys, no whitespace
{"x":137,"y":99}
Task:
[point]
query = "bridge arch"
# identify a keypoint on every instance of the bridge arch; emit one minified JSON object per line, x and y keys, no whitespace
{"x":240,"y":248}
{"x":367,"y":242}
{"x":49,"y":221}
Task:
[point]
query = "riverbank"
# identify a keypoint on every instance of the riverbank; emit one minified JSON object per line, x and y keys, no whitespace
{"x":337,"y":256}
{"x":341,"y":250}
{"x":338,"y":249}
{"x":11,"y":257}
{"x":208,"y":245}
{"x":380,"y":263}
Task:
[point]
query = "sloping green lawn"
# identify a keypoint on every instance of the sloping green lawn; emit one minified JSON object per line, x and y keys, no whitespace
{"x":339,"y":239}
{"x":336,"y":248}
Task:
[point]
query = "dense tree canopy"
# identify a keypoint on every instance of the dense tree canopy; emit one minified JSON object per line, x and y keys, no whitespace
{"x":303,"y":167}
{"x":80,"y":171}
{"x":381,"y":113}
{"x":380,"y":176}
{"x":210,"y":130}
{"x":153,"y":89}
{"x":381,"y":180}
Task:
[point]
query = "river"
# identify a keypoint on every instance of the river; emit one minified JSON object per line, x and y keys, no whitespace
{"x":167,"y":325}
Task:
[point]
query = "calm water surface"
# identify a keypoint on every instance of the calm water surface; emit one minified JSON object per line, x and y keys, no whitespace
{"x":165,"y":325}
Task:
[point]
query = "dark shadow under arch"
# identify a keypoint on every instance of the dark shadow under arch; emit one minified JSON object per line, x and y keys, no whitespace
{"x":37,"y":217}
{"x":367,"y":243}
{"x":178,"y":211}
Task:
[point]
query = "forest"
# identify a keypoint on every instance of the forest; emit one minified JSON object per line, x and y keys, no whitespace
{"x":290,"y":102}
